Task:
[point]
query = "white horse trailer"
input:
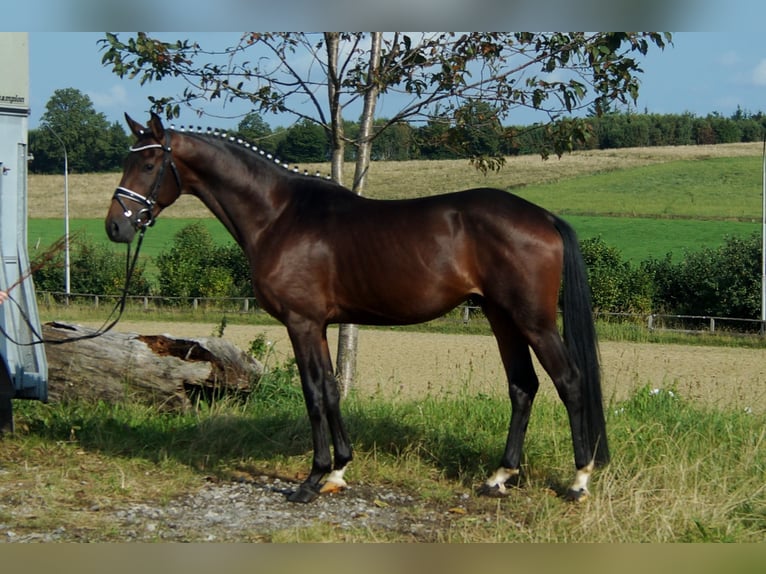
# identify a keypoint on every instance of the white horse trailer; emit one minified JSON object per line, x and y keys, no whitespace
{"x":23,"y":366}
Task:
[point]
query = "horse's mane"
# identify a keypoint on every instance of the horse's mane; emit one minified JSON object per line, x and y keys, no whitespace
{"x":243,"y":149}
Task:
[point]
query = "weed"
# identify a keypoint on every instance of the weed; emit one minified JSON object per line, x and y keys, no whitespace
{"x":280,"y":382}
{"x":221,"y":327}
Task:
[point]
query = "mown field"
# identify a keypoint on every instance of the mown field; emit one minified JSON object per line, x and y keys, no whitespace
{"x":686,"y":422}
{"x":646,"y":202}
{"x":637,"y":238}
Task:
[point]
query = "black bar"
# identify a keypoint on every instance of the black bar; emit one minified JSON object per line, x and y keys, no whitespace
{"x":6,"y":404}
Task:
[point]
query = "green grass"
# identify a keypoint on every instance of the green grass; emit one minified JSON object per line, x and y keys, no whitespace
{"x":714,"y":188}
{"x":680,"y":472}
{"x":637,"y":238}
{"x":644,"y":212}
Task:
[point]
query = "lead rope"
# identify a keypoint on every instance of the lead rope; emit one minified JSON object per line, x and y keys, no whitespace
{"x":130,"y":266}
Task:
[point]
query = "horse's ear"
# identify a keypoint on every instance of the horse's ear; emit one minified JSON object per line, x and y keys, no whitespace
{"x":158,"y":130}
{"x":137,"y":129}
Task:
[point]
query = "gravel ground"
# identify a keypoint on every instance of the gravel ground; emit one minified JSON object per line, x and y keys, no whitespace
{"x":227,"y":512}
{"x":256,"y":510}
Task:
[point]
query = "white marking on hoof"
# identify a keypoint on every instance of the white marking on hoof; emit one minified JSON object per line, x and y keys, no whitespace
{"x":579,"y":488}
{"x":501,"y":476}
{"x":334,"y":482}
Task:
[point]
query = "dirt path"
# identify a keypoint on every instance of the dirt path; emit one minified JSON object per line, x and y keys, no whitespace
{"x":398,"y":363}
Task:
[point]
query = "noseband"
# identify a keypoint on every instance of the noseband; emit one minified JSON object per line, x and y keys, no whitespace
{"x":149,"y":201}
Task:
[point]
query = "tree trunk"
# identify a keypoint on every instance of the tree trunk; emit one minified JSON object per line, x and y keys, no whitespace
{"x":348,"y":335}
{"x":158,"y":370}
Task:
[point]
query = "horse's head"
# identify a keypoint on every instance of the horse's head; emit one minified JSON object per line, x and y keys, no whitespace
{"x":147,"y":185}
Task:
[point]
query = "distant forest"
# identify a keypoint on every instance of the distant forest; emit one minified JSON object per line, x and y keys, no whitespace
{"x":93,"y":145}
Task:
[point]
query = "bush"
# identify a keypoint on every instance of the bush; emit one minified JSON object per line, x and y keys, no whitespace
{"x":195,"y":267}
{"x":94,"y":269}
{"x":722,"y":282}
{"x":616,"y":287}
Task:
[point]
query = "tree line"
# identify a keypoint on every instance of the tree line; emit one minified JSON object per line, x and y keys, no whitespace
{"x":95,"y":145}
{"x":721,"y":282}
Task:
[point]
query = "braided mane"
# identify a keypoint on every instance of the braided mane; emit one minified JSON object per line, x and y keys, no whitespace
{"x":222,"y":135}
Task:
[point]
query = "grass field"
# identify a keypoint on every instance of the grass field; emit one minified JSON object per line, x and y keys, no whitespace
{"x":646,"y":203}
{"x":680,"y":473}
{"x":710,"y":188}
{"x":637,"y":238}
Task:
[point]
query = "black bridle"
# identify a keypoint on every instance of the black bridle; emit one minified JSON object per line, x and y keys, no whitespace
{"x":148,"y":202}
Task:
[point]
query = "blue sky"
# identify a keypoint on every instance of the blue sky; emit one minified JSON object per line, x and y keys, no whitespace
{"x":702,"y":72}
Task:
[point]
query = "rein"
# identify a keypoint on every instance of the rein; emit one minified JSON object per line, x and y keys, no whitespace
{"x":130,"y":265}
{"x":120,"y":194}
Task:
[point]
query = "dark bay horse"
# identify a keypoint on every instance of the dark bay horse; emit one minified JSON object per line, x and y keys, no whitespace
{"x":320,"y":254}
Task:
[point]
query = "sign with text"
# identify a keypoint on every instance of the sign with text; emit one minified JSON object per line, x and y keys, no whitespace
{"x":14,"y":72}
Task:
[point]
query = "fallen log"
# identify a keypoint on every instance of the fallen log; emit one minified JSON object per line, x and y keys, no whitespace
{"x":158,"y":370}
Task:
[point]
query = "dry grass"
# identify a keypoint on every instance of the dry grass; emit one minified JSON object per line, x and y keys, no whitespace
{"x":406,"y":365}
{"x":89,"y":194}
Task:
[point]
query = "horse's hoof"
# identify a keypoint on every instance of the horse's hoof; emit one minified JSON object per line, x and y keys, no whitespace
{"x":331,"y":487}
{"x":306,"y":493}
{"x":577,"y":495}
{"x":492,"y":491}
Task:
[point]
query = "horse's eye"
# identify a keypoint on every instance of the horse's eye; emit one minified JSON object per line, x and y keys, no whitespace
{"x":148,"y":167}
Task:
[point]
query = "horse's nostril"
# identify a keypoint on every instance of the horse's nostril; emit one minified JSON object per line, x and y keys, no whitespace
{"x":112,"y":229}
{"x":117,"y":232}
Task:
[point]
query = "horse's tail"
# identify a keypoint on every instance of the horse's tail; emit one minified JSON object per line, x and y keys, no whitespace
{"x":581,"y":341}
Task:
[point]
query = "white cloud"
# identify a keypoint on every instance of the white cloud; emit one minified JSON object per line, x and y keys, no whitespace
{"x":759,"y":74}
{"x":116,"y":96}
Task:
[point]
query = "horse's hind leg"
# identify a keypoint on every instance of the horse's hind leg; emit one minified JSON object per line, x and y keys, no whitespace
{"x":555,"y":359}
{"x":522,"y":387}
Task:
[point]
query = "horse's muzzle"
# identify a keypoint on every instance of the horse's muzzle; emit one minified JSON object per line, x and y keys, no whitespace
{"x":120,"y":229}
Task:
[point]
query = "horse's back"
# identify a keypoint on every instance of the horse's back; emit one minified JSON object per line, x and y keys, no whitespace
{"x":402,"y":261}
{"x":481,"y":204}
{"x":471,"y":232}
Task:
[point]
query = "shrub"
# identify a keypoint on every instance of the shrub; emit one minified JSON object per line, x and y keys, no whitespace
{"x":616,"y":286}
{"x":195,"y":267}
{"x":722,"y":282}
{"x":94,"y":269}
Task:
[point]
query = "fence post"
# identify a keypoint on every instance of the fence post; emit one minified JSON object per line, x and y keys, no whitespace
{"x":712,"y":324}
{"x":650,"y":322}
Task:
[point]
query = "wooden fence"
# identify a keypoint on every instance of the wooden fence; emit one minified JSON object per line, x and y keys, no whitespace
{"x":465,"y":313}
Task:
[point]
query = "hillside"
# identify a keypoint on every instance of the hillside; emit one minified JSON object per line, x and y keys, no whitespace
{"x":89,"y":194}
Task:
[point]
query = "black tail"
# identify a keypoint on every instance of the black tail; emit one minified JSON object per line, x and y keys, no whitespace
{"x":580,"y":338}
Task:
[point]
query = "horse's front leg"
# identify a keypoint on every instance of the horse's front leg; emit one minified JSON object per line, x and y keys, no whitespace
{"x":322,"y":399}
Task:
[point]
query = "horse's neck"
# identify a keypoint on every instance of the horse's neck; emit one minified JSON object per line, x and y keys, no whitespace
{"x":243,"y":208}
{"x":245,"y":204}
{"x":222,"y":214}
